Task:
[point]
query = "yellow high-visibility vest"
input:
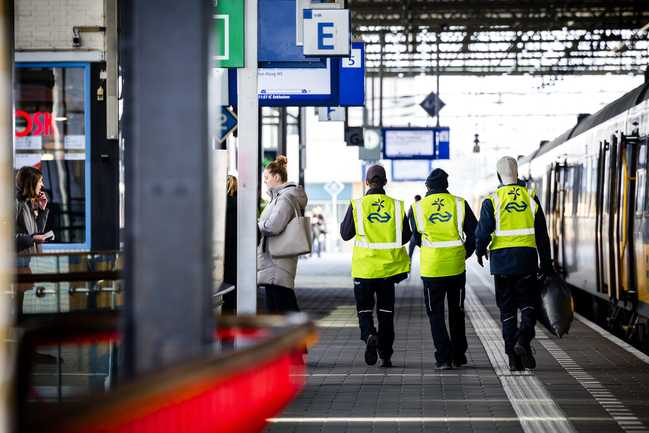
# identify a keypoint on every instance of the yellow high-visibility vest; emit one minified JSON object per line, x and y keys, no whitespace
{"x":439,"y":219}
{"x":378,"y":250}
{"x":514,"y":210}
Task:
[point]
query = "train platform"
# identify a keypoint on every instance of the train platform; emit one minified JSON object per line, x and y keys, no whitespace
{"x":588,"y":381}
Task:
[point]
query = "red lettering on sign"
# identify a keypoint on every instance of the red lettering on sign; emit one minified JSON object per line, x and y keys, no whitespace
{"x":39,"y":123}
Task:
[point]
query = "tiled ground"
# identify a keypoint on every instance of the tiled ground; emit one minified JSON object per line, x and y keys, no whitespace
{"x":342,"y":394}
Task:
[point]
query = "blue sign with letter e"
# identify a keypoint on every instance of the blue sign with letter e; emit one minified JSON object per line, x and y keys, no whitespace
{"x":326,"y":32}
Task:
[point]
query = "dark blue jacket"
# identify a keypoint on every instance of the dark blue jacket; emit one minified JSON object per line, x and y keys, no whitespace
{"x":518,"y":260}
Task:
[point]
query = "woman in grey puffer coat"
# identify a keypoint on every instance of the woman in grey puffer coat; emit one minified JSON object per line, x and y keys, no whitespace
{"x":276,"y":276}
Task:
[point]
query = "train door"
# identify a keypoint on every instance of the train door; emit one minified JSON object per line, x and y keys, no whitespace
{"x":556,"y":211}
{"x":604,"y":219}
{"x":630,"y":147}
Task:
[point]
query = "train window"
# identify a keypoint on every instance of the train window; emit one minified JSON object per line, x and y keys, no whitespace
{"x":641,"y":182}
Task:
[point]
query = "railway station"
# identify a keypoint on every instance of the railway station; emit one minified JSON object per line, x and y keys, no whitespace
{"x":324,"y":216}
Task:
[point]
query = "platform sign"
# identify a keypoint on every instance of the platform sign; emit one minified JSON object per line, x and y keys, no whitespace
{"x":311,"y":4}
{"x":326,"y":32}
{"x":229,"y":32}
{"x":351,"y":89}
{"x":411,"y":170}
{"x":416,"y":143}
{"x":296,"y":86}
{"x":228,"y":123}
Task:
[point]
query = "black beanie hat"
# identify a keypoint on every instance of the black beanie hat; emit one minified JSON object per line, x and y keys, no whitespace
{"x":437,"y":180}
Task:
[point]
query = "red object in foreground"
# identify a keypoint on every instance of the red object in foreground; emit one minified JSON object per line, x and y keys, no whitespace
{"x":241,"y":403}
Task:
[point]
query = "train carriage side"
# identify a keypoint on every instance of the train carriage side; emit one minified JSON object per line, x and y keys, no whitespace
{"x":593,"y":185}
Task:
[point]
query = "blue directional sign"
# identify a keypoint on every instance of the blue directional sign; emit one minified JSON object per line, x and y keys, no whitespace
{"x":416,"y":143}
{"x":351,"y":77}
{"x":341,"y":82}
{"x":228,"y":124}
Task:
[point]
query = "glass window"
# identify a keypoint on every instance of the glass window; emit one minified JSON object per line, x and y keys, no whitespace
{"x":52,"y":135}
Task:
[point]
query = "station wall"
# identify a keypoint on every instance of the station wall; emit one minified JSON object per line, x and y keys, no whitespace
{"x":46,"y":25}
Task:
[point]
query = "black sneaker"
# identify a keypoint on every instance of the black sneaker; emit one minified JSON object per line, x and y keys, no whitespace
{"x":386,"y":363}
{"x":515,"y":363}
{"x":443,"y":365}
{"x":459,"y":361}
{"x":370,"y":350}
{"x":525,"y":353}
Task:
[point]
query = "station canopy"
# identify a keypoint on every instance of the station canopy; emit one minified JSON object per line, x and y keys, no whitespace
{"x":494,"y":37}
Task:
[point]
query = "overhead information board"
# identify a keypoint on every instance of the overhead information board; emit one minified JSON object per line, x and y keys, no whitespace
{"x":292,"y":86}
{"x":411,"y":169}
{"x":340,"y":83}
{"x":276,"y":36}
{"x":416,"y":143}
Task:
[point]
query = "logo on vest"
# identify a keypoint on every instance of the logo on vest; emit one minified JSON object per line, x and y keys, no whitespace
{"x":440,"y":217}
{"x":376,"y":216}
{"x":513,"y":206}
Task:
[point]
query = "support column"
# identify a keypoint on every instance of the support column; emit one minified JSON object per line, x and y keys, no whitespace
{"x":281,"y":129}
{"x":7,"y":261}
{"x":168,"y":286}
{"x":247,"y":167}
{"x":302,"y":162}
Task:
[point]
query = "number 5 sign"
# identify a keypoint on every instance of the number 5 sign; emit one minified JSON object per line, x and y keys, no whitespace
{"x":355,"y":60}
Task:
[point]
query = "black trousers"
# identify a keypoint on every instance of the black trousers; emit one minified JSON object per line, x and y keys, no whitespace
{"x":365,"y":292}
{"x":279,"y":299}
{"x":436,"y":290}
{"x":514,"y":293}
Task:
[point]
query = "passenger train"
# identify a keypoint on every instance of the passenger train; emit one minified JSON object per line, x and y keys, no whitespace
{"x":593,"y":185}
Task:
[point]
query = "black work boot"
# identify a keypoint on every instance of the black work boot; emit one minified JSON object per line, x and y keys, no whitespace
{"x":459,"y":361}
{"x":443,"y":365}
{"x":371,"y":356}
{"x":526,"y":356}
{"x":515,"y":363}
{"x":386,"y":363}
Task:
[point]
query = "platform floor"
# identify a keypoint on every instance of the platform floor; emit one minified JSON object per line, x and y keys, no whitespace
{"x":586,"y":382}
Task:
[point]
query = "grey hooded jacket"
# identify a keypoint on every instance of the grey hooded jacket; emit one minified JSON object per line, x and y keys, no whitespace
{"x":272,"y":222}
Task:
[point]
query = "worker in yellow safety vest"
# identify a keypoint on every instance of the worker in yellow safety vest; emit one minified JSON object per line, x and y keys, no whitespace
{"x":380,"y":228}
{"x":513,"y":231}
{"x":445,"y":227}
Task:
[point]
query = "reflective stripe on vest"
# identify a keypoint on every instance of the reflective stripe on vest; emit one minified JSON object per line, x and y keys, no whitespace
{"x":518,"y":230}
{"x":378,"y":251}
{"x":442,"y":248}
{"x":360,"y":229}
{"x":419,"y":221}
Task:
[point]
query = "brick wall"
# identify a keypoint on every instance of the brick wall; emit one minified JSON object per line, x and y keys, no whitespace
{"x":47,"y":24}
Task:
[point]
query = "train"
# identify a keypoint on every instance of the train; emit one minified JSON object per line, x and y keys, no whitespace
{"x":593,"y":185}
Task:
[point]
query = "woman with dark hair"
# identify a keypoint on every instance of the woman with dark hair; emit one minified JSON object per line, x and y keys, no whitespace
{"x":277,"y":275}
{"x":31,"y":217}
{"x":31,"y":211}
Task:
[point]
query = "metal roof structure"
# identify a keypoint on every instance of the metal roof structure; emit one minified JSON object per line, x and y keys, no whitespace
{"x":489,"y":37}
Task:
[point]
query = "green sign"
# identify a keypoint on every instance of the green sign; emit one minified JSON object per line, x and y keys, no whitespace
{"x":229,"y":32}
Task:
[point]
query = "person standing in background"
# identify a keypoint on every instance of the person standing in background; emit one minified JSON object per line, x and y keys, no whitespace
{"x":276,"y":276}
